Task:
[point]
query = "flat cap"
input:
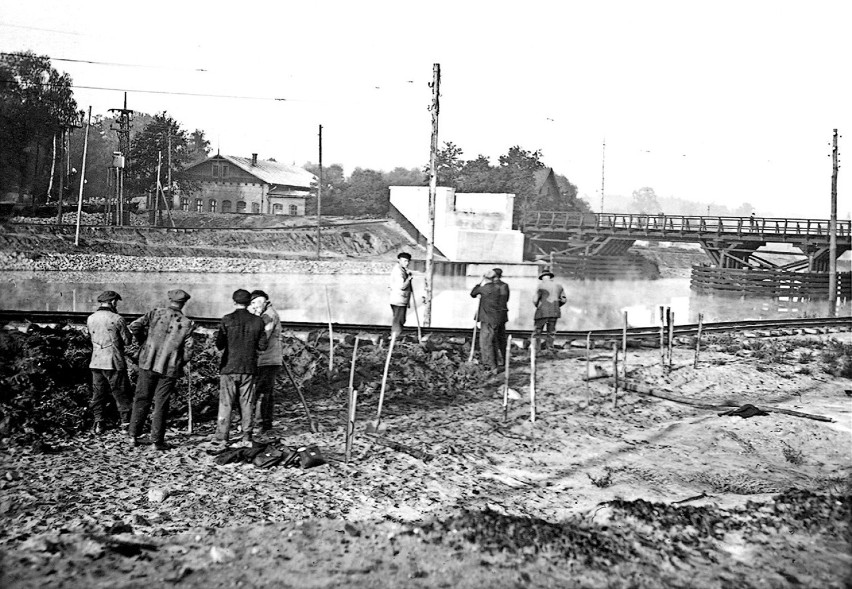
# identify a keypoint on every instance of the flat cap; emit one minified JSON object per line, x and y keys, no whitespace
{"x":241,"y":296}
{"x":178,"y":296}
{"x":259,"y":293}
{"x":498,"y":272}
{"x":405,"y":255}
{"x":108,"y":295}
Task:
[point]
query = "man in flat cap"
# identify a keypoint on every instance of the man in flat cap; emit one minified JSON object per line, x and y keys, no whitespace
{"x":109,"y":334}
{"x":548,"y":300}
{"x":241,"y":337}
{"x":269,"y":362}
{"x":165,"y":338}
{"x":492,"y":315}
{"x":400,"y":292}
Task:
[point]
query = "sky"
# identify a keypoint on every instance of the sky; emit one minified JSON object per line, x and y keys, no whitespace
{"x":721,"y":102}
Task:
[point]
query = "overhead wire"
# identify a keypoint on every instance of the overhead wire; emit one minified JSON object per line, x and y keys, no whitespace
{"x":109,"y":63}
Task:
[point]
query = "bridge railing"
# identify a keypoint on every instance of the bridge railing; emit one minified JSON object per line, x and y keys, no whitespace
{"x":682,"y":224}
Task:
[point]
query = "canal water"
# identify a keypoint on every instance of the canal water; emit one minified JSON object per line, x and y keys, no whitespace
{"x":591,"y":304}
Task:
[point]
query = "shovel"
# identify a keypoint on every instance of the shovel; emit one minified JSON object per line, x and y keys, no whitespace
{"x":313,"y":425}
{"x":373,"y":427}
{"x":416,"y":315}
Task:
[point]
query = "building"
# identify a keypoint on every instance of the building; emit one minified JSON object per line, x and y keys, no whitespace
{"x":230,"y":184}
{"x":469,"y":227}
{"x":546,"y":186}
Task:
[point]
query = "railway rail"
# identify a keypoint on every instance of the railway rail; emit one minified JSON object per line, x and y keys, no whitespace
{"x":760,"y":327}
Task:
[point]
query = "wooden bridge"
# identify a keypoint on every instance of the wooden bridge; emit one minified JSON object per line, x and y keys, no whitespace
{"x":730,"y":242}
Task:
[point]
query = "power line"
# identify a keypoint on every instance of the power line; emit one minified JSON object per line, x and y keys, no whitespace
{"x":40,"y":29}
{"x":110,"y":63}
{"x":138,"y":91}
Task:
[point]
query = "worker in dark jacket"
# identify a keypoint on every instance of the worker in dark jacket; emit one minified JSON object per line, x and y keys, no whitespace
{"x":165,"y":338}
{"x":110,"y":337}
{"x":548,"y":300}
{"x":492,"y":315}
{"x":241,"y":338}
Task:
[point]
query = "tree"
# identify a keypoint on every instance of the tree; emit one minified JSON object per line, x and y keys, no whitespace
{"x":199,"y":146}
{"x":448,"y":165}
{"x":366,"y":194}
{"x":406,"y":177}
{"x":645,"y":201}
{"x":516,"y":168}
{"x":36,"y":101}
{"x":144,"y":150}
{"x":333,"y":186}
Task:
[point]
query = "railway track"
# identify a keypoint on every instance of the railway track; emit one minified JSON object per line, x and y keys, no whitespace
{"x":760,"y":327}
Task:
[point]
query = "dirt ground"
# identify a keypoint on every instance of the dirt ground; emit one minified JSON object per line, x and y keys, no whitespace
{"x":633,"y":492}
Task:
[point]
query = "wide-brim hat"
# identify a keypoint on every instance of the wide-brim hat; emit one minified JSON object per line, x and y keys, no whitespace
{"x":545,"y":273}
{"x":108,"y":295}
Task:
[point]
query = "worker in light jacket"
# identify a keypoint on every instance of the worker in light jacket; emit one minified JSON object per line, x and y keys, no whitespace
{"x":400,"y":292}
{"x":548,"y":300}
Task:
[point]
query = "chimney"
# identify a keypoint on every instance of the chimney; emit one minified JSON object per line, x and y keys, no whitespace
{"x":253,"y":159}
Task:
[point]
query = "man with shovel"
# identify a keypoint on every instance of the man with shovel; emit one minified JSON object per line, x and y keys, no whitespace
{"x":400,"y":292}
{"x":493,"y":314}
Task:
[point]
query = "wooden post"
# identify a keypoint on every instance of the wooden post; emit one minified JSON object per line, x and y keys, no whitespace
{"x":506,"y":379}
{"x":532,"y":381}
{"x":353,"y":400}
{"x":662,"y":337}
{"x":189,"y":397}
{"x":433,"y":193}
{"x":588,"y":359}
{"x":82,"y":178}
{"x":330,"y":335}
{"x":832,"y":238}
{"x":671,"y":336}
{"x":472,"y":343}
{"x":384,"y":384}
{"x":52,"y":170}
{"x":624,"y":347}
{"x":614,"y":374}
{"x":416,"y":316}
{"x":158,"y":215}
{"x":698,"y":339}
{"x":319,"y":195}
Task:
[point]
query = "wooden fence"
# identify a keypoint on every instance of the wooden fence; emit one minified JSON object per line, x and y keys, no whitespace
{"x":768,"y":283}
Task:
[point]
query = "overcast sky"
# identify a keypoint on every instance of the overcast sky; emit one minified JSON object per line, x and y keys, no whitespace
{"x":720,"y":101}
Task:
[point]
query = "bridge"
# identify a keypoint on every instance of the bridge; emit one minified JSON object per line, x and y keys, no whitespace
{"x":730,"y":242}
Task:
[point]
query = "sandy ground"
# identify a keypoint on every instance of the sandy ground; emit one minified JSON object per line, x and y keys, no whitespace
{"x":382,"y":520}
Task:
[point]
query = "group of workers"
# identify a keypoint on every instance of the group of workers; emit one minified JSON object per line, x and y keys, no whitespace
{"x":493,"y":312}
{"x":250,"y":341}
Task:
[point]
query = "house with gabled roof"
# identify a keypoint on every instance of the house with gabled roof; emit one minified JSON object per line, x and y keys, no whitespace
{"x":232,"y":184}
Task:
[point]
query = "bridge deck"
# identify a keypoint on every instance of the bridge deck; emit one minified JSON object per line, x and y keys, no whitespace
{"x":689,"y":228}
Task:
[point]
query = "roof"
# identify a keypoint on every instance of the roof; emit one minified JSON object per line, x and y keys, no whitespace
{"x":540,"y":176}
{"x":271,"y":172}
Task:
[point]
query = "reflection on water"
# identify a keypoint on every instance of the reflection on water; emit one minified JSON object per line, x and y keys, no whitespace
{"x":363,"y":298}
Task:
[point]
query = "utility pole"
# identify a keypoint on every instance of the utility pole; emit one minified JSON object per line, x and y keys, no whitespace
{"x":603,"y":173}
{"x":82,"y":178}
{"x":433,"y":191}
{"x":125,"y":116}
{"x":319,"y":194}
{"x":65,"y":177}
{"x":832,"y":233}
{"x":169,"y":169}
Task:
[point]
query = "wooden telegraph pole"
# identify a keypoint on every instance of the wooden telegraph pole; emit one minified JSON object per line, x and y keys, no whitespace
{"x":82,"y":178}
{"x":433,"y":190}
{"x":832,"y":231}
{"x":603,"y":173}
{"x":319,"y":195}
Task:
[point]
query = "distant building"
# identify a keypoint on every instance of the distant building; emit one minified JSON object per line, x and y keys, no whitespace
{"x":546,"y":185}
{"x":230,"y":184}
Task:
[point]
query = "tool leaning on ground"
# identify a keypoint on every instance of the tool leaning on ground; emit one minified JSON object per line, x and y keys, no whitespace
{"x":311,"y":422}
{"x":373,"y":427}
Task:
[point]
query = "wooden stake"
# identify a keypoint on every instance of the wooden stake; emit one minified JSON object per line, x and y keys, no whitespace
{"x":296,"y":386}
{"x":82,"y":178}
{"x":353,"y":399}
{"x":472,"y":343}
{"x":671,"y":336}
{"x":698,"y":339}
{"x":416,"y":315}
{"x":662,"y":337}
{"x":189,"y":397}
{"x":532,"y":380}
{"x":624,"y":346}
{"x":330,"y":335}
{"x":375,"y":425}
{"x":614,"y":374}
{"x":506,"y":379}
{"x":588,"y":359}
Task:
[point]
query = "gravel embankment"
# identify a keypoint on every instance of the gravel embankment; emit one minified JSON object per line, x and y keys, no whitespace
{"x":118,"y":263}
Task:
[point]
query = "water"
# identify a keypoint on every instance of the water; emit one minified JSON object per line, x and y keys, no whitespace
{"x":363,"y":298}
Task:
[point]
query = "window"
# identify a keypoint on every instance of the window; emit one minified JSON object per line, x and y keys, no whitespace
{"x":241,"y":206}
{"x":224,"y":170}
{"x":294,"y":210}
{"x":199,"y":205}
{"x":255,"y":207}
{"x":226,"y":206}
{"x":215,"y":170}
{"x":184,"y":204}
{"x":212,"y":205}
{"x":277,"y":209}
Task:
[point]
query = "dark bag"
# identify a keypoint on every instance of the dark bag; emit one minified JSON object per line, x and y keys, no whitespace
{"x":310,"y":456}
{"x":268,"y":457}
{"x":231,"y":455}
{"x":291,"y":458}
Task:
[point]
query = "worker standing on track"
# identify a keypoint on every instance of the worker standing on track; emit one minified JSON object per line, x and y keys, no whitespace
{"x":548,"y":300}
{"x":493,"y":314}
{"x":400,"y":292}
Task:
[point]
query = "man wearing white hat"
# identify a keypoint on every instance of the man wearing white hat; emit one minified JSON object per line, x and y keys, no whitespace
{"x":548,"y":299}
